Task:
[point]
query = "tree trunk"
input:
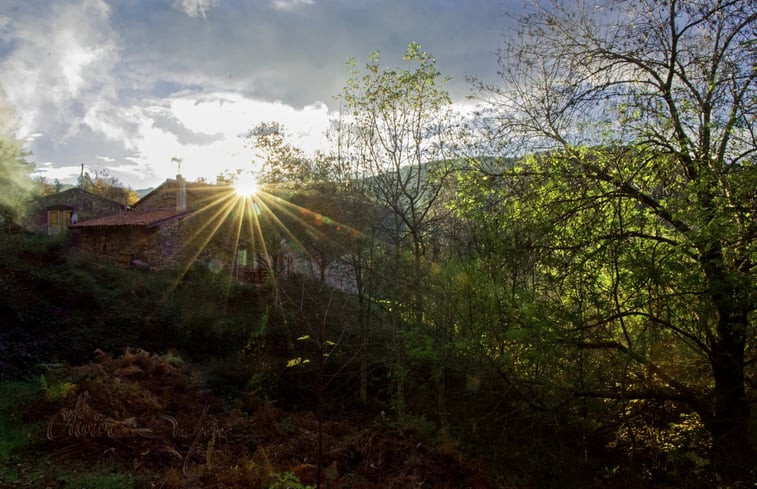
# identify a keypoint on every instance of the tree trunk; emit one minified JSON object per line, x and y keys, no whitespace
{"x":732,"y":455}
{"x":363,"y":327}
{"x":441,"y":401}
{"x":364,"y":378}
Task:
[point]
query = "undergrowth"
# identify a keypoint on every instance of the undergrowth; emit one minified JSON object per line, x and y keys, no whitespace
{"x":14,"y":433}
{"x":103,"y":479}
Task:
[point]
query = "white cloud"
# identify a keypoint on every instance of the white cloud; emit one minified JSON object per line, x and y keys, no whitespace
{"x":290,"y":4}
{"x":142,"y":82}
{"x":234,"y":114}
{"x":99,"y":6}
{"x":225,"y":116}
{"x":60,"y":62}
{"x":195,"y":8}
{"x":62,"y":173}
{"x":118,"y":124}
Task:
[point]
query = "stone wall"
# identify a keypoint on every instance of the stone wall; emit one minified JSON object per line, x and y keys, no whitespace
{"x":160,"y":198}
{"x":168,"y":252}
{"x":157,"y":248}
{"x":119,"y":246}
{"x":85,"y":204}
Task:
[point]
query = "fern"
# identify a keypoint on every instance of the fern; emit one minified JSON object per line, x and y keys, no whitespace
{"x":285,"y":480}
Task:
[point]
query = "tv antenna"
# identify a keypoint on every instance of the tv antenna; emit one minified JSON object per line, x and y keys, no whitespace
{"x":178,"y":161}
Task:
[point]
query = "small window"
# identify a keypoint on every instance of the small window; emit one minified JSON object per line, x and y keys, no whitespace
{"x":242,"y":257}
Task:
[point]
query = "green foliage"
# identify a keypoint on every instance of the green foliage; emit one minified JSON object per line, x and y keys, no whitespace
{"x":56,"y":392}
{"x":285,"y":480}
{"x":16,"y":186}
{"x":106,"y":185}
{"x":14,"y":435}
{"x":283,"y":162}
{"x":101,"y":480}
{"x":59,"y":307}
{"x":285,"y":426}
{"x":627,"y":227}
{"x":173,"y":359}
{"x":400,"y":132}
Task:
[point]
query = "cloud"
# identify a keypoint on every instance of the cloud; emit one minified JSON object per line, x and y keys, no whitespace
{"x":137,"y":143}
{"x":290,"y":4}
{"x":52,"y":172}
{"x":58,"y":64}
{"x":117,"y":124}
{"x":140,"y":81}
{"x":216,"y":122}
{"x":195,"y":8}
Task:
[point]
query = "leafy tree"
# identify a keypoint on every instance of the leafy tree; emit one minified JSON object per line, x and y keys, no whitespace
{"x":16,"y":186}
{"x":106,"y":185}
{"x":44,"y":187}
{"x":282,"y":161}
{"x":400,"y":126}
{"x":644,"y":114}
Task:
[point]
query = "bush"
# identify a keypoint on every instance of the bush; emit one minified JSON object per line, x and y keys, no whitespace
{"x":102,"y":480}
{"x":285,"y":480}
{"x":14,"y":434}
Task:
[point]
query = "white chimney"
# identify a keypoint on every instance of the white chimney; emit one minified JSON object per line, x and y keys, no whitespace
{"x":181,"y":193}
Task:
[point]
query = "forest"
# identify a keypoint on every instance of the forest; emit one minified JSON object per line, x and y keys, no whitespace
{"x":555,"y":290}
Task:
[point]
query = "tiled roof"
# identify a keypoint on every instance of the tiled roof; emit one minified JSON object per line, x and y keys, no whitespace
{"x":197,"y":193}
{"x":138,"y":217}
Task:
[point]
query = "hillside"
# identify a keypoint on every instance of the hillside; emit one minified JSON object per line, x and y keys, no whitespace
{"x":108,"y":382}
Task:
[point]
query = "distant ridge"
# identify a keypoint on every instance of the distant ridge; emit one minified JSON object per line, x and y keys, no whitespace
{"x":144,"y":191}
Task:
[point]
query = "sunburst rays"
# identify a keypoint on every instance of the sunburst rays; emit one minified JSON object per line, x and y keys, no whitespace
{"x":225,"y":220}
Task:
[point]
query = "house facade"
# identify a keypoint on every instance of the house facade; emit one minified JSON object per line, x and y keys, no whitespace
{"x":180,"y":223}
{"x":145,"y":237}
{"x":148,"y":234}
{"x":52,"y":214}
{"x":165,"y":230}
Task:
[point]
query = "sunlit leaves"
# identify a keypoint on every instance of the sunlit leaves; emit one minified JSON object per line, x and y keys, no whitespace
{"x":298,"y":361}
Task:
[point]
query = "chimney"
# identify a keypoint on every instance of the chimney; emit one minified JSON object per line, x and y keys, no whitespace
{"x":181,"y":193}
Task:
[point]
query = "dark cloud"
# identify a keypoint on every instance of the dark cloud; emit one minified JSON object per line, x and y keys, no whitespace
{"x":298,"y":55}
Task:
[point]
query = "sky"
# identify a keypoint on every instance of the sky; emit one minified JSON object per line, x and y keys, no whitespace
{"x":128,"y":86}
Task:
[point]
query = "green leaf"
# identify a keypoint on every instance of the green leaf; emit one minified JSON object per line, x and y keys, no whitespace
{"x":297,"y":361}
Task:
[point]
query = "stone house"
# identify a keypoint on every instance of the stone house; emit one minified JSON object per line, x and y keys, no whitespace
{"x":158,"y":232}
{"x":180,"y":223}
{"x":52,"y":214}
{"x":149,"y":237}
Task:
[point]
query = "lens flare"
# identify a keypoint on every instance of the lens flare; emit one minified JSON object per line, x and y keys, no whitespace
{"x":246,"y":185}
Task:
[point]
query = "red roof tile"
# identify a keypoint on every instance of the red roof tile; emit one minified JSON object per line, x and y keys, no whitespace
{"x":138,"y":217}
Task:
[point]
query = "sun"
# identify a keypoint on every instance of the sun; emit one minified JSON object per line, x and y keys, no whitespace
{"x":246,"y":185}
